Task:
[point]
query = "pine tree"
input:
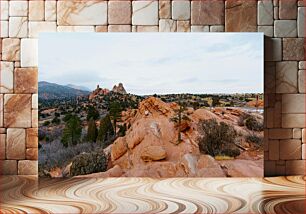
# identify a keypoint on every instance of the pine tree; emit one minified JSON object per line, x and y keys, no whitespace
{"x":106,"y":130}
{"x":178,"y":118}
{"x":92,"y":131}
{"x":115,"y":114}
{"x":92,"y":113}
{"x":72,"y":131}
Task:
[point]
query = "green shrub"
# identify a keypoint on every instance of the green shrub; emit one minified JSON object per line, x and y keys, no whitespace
{"x":217,"y":138}
{"x":253,"y":124}
{"x":252,"y":138}
{"x":87,"y":163}
{"x":46,"y":123}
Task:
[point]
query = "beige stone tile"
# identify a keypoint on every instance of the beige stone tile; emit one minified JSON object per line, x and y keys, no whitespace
{"x":29,"y":53}
{"x":4,"y":9}
{"x":50,"y":10}
{"x":295,"y":167}
{"x":1,"y":110}
{"x":265,"y":12}
{"x":32,"y":154}
{"x":2,"y":130}
{"x":303,"y":151}
{"x":287,"y":9}
{"x":285,"y":28}
{"x":269,"y":168}
{"x":293,"y":120}
{"x":180,"y":10}
{"x":293,"y":103}
{"x":301,"y":80}
{"x":4,"y":29}
{"x":273,"y":49}
{"x":199,"y":28}
{"x":119,"y":12}
{"x":36,"y":27}
{"x":15,"y":143}
{"x":183,"y":26}
{"x":269,"y":116}
{"x":11,"y":49}
{"x":8,"y":167}
{"x":17,"y":110}
{"x":301,"y":3}
{"x":280,"y":134}
{"x":167,"y":25}
{"x":239,"y":16}
{"x":278,"y":114}
{"x":26,"y":80}
{"x":89,"y":12}
{"x":34,"y":101}
{"x":297,"y":133}
{"x":266,"y":140}
{"x":32,"y":138}
{"x":275,"y":11}
{"x":6,"y":78}
{"x":18,"y":27}
{"x":290,"y":149}
{"x":280,"y":170}
{"x":216,"y":28}
{"x":164,"y":9}
{"x":145,"y":13}
{"x":274,"y":150}
{"x":147,"y":28}
{"x":267,"y":30}
{"x":101,"y":28}
{"x":293,"y":49}
{"x":76,"y":28}
{"x":2,"y":146}
{"x":27,"y":167}
{"x":119,"y":28}
{"x":286,"y":77}
{"x":303,"y":135}
{"x":18,"y":8}
{"x":207,"y":12}
{"x":34,"y":118}
{"x":36,"y":10}
{"x":301,"y":22}
{"x":269,"y":77}
{"x":302,"y":65}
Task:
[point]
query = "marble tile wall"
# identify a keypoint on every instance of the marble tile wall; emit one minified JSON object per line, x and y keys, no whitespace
{"x":282,"y":22}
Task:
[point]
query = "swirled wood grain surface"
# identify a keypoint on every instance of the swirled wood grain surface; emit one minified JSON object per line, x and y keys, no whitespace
{"x":25,"y":194}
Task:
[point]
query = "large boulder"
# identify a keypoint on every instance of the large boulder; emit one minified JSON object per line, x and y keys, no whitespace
{"x":153,"y":153}
{"x":189,"y":163}
{"x":119,"y":148}
{"x":207,"y":166}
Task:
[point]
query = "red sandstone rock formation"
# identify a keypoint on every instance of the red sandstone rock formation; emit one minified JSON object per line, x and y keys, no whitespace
{"x":119,"y":89}
{"x":98,"y":91}
{"x":149,"y":147}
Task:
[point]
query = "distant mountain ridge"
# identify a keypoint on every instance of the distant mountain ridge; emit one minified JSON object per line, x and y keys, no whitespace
{"x":78,"y":87}
{"x":48,"y":91}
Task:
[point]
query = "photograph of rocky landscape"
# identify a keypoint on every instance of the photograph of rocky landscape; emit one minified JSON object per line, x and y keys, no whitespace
{"x":141,"y":106}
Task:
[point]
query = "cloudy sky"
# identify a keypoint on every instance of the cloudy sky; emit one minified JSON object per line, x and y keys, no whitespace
{"x":148,"y":63}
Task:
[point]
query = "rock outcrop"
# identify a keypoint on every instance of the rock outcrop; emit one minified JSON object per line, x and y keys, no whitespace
{"x":153,"y":153}
{"x":119,"y":89}
{"x":98,"y":91}
{"x":150,"y":149}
